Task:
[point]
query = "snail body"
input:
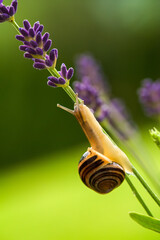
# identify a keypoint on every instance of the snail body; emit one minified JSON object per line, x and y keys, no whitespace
{"x":103,"y":166}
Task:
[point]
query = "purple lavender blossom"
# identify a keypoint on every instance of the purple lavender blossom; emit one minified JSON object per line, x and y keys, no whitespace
{"x":149,"y":95}
{"x":7,"y":12}
{"x":88,"y":67}
{"x":65,"y":76}
{"x":88,"y":93}
{"x":92,"y":90}
{"x":35,"y":45}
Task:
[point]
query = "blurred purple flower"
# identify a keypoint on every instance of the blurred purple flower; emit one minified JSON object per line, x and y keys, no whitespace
{"x":35,"y":45}
{"x":149,"y":95}
{"x":88,"y":93}
{"x":65,"y":77}
{"x":92,"y":90}
{"x":7,"y":12}
{"x":88,"y":67}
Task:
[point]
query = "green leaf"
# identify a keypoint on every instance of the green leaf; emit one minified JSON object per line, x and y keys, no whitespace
{"x":146,"y":221}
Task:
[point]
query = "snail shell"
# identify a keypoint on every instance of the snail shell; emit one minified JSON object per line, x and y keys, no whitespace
{"x":99,"y":173}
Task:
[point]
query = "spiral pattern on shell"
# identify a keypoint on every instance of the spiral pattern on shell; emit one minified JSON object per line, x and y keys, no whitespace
{"x":98,"y":174}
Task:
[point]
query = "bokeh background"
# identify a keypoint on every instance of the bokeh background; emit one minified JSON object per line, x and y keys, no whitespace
{"x":41,"y":194}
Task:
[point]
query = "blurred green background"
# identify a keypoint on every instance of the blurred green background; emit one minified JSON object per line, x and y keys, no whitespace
{"x":41,"y":194}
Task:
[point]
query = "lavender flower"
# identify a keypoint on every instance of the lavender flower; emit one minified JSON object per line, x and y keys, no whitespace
{"x":88,"y":67}
{"x":91,"y":89}
{"x":35,"y":45}
{"x":88,"y":93}
{"x":7,"y":12}
{"x":149,"y":95}
{"x":64,"y":79}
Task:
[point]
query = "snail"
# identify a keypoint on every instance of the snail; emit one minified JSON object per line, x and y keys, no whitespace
{"x":102,"y":168}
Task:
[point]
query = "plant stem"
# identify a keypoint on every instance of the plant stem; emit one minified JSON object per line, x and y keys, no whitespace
{"x":146,"y":186}
{"x":135,"y":192}
{"x":72,"y":94}
{"x":15,"y":25}
{"x":148,"y":168}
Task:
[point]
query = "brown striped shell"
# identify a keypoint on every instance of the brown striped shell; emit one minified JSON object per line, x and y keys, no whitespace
{"x":99,"y":173}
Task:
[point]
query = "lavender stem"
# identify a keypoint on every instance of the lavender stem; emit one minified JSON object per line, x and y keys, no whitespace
{"x":16,"y":26}
{"x":135,"y":192}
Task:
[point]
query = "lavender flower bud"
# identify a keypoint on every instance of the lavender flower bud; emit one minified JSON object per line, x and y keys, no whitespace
{"x":47,"y":45}
{"x":39,"y":66}
{"x":45,"y":37}
{"x":56,"y":52}
{"x":38,"y":37}
{"x":36,"y":60}
{"x":23,"y":48}
{"x":52,"y":55}
{"x":4,"y":17}
{"x":64,"y":70}
{"x":62,"y":81}
{"x":26,"y":24}
{"x":40,"y":28}
{"x":36,"y":25}
{"x":51,"y":84}
{"x":4,"y":9}
{"x":70,"y":73}
{"x":39,"y":51}
{"x":14,"y":4}
{"x":65,"y":75}
{"x":48,"y":62}
{"x":11,"y":11}
{"x":27,"y":55}
{"x":20,"y":38}
{"x":53,"y":79}
{"x":26,"y":43}
{"x":24,"y":32}
{"x":31,"y":32}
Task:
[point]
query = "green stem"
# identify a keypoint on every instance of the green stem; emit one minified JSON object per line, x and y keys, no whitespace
{"x":72,"y":94}
{"x":146,"y":186}
{"x":137,"y":195}
{"x":148,"y":168}
{"x":15,"y":25}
